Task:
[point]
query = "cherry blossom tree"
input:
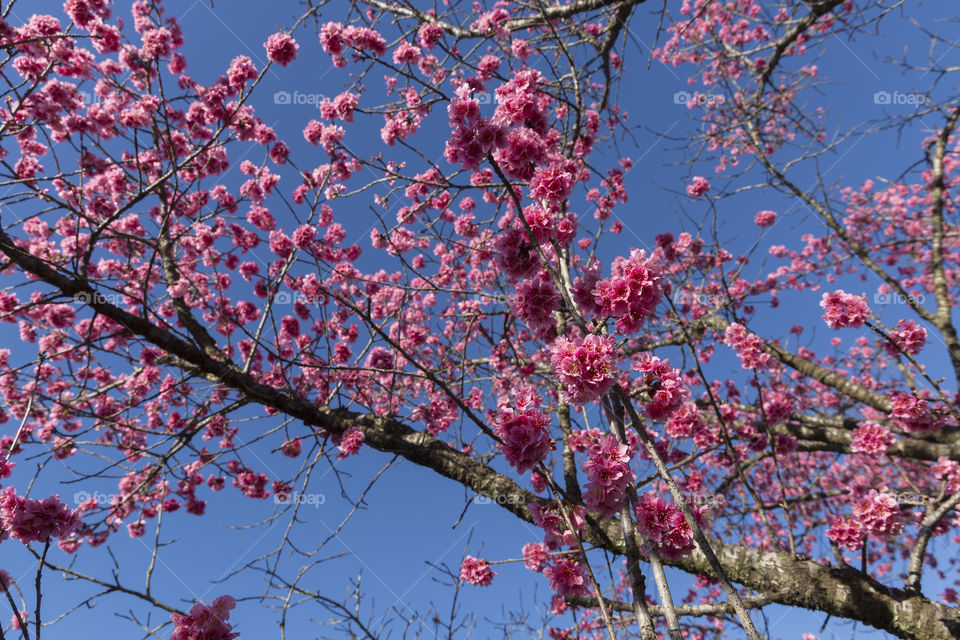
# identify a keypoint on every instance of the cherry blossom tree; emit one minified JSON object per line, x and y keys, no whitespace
{"x":644,"y":407}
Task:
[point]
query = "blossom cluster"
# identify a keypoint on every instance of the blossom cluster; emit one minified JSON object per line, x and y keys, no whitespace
{"x":534,"y":300}
{"x":584,"y":366}
{"x":205,"y":622}
{"x":765,"y":218}
{"x":556,"y":533}
{"x":30,"y":520}
{"x":686,"y":422}
{"x":514,"y":255}
{"x":665,"y":525}
{"x":567,"y":577}
{"x":349,"y":443}
{"x":698,"y":187}
{"x":334,"y":38}
{"x":872,"y":439}
{"x":524,"y":432}
{"x":472,"y":136}
{"x":879,"y":514}
{"x":748,"y":346}
{"x":476,"y":571}
{"x":551,"y":184}
{"x":913,"y":413}
{"x":664,"y":386}
{"x":842,"y":309}
{"x":948,"y":472}
{"x":281,"y":48}
{"x":535,"y":556}
{"x":608,"y":470}
{"x":632,"y":292}
{"x":907,"y":336}
{"x":846,"y":533}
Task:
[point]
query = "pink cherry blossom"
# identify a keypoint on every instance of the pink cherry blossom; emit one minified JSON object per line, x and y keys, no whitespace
{"x":30,"y":520}
{"x":698,"y":187}
{"x":584,"y":366}
{"x":663,"y":385}
{"x":205,"y":622}
{"x":525,"y":435}
{"x":476,"y":571}
{"x":842,"y":309}
{"x":749,"y":347}
{"x":879,"y":514}
{"x":907,"y":336}
{"x":281,"y":48}
{"x":535,"y":556}
{"x":765,"y":218}
{"x":872,"y":439}
{"x":608,"y":471}
{"x":632,"y":293}
{"x":567,"y":578}
{"x":350,"y":443}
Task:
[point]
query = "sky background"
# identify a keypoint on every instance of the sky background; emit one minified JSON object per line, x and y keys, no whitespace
{"x":411,"y":513}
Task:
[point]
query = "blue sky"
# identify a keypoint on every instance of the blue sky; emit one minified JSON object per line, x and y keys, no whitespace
{"x":411,"y":513}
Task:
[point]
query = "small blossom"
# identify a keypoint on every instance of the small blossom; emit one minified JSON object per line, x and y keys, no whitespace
{"x":281,"y":48}
{"x":749,"y":347}
{"x":632,"y":292}
{"x":350,"y":443}
{"x":765,"y":218}
{"x":535,"y":556}
{"x":476,"y":571}
{"x":698,"y":187}
{"x":663,"y":385}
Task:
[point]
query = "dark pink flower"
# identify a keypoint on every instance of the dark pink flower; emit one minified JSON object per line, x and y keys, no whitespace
{"x":567,"y":578}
